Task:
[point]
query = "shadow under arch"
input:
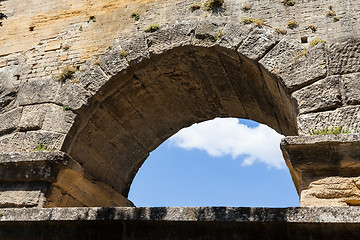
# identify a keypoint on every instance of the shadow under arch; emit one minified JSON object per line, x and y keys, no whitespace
{"x":142,"y":106}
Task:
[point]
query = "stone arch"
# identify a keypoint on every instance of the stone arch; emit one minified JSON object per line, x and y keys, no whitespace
{"x":168,"y":80}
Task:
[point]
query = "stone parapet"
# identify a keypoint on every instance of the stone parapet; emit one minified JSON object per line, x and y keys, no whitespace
{"x":181,"y":223}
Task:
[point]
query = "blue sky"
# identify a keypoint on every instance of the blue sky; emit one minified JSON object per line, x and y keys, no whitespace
{"x":222,"y":162}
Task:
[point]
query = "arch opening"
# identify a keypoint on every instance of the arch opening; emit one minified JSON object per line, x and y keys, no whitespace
{"x":142,"y":106}
{"x":220,"y":162}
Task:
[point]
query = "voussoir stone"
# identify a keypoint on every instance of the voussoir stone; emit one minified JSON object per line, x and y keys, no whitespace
{"x":344,"y":57}
{"x":319,"y":96}
{"x":351,"y":83}
{"x":259,"y":41}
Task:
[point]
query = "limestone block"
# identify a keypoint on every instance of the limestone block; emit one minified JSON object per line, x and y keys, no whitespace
{"x":72,"y":95}
{"x":351,"y":83}
{"x":114,"y":61}
{"x":322,"y":95}
{"x":208,"y":32}
{"x":347,"y":117}
{"x":344,"y":57}
{"x":57,"y":119}
{"x":31,"y":140}
{"x":305,"y":69}
{"x":234,"y":34}
{"x":334,"y":191}
{"x":10,"y":120}
{"x":53,"y":45}
{"x":280,"y":56}
{"x":259,"y":41}
{"x":38,"y":91}
{"x":8,"y":91}
{"x":21,"y":195}
{"x":92,"y":79}
{"x":295,"y":69}
{"x":136,"y":47}
{"x":12,"y":142}
{"x":33,"y":117}
{"x":170,"y":36}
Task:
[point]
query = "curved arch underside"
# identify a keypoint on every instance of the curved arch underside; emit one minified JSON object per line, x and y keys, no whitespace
{"x":141,"y":108}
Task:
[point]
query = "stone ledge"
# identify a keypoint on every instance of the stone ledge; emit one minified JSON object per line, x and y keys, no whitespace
{"x":310,"y":215}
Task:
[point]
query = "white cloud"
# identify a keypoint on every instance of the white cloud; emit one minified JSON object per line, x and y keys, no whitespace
{"x":220,"y":137}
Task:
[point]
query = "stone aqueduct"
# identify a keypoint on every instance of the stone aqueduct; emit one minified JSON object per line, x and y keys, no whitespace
{"x":133,"y":89}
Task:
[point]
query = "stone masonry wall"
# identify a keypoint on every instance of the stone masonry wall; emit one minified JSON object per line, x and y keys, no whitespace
{"x":119,"y":104}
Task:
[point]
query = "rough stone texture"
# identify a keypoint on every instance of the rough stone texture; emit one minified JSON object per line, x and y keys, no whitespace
{"x":181,"y":223}
{"x":347,"y":117}
{"x":40,"y":179}
{"x":351,"y":88}
{"x":344,"y":57}
{"x":322,"y":95}
{"x":325,"y":169}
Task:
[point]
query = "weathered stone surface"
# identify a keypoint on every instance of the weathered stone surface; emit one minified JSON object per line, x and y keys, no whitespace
{"x":346,"y":117}
{"x":72,"y":95}
{"x":280,"y":56}
{"x":136,"y":47}
{"x":40,"y":91}
{"x":58,"y":119}
{"x":47,"y":178}
{"x":322,"y":95}
{"x":33,"y":117}
{"x":325,"y":169}
{"x":9,"y":120}
{"x":92,"y":79}
{"x":170,"y":36}
{"x":344,"y":57}
{"x":295,"y":65}
{"x":114,"y":61}
{"x":259,"y":41}
{"x":351,"y":83}
{"x":234,"y":34}
{"x":26,"y":195}
{"x":334,"y":191}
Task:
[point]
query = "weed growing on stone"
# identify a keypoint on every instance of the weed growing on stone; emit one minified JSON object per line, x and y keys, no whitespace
{"x":219,"y":34}
{"x":135,"y":16}
{"x":288,"y":2}
{"x":42,"y":147}
{"x":248,"y":20}
{"x":67,"y":73}
{"x":246,"y":7}
{"x":299,"y":55}
{"x":65,"y":108}
{"x":212,"y":4}
{"x":152,"y":28}
{"x":293,"y":24}
{"x":1,"y":214}
{"x":330,"y":13}
{"x":257,"y":22}
{"x":2,"y":17}
{"x":280,"y":31}
{"x":195,"y":6}
{"x":92,"y":19}
{"x":336,"y":19}
{"x":330,"y":131}
{"x":123,"y":53}
{"x":316,"y":41}
{"x":313,"y":28}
